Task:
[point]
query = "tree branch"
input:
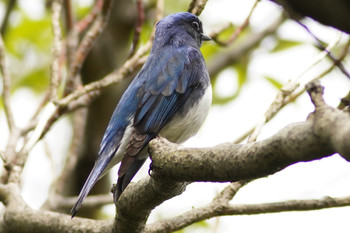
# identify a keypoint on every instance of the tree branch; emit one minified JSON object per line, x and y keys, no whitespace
{"x":230,"y":56}
{"x":19,"y":217}
{"x":86,"y":45}
{"x":214,"y":210}
{"x":283,"y":96}
{"x":138,"y":200}
{"x":58,"y":188}
{"x":315,"y":138}
{"x":65,"y":203}
{"x":138,"y":27}
{"x":6,"y":82}
{"x":130,"y":65}
{"x":197,"y":6}
{"x":10,"y":6}
{"x":333,"y":13}
{"x":238,"y":30}
{"x":56,"y":49}
{"x":325,"y":132}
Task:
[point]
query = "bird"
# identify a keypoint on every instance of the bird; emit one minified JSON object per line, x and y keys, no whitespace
{"x":169,"y":97}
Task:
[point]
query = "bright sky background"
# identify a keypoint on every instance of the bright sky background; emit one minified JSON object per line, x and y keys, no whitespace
{"x":326,"y":177}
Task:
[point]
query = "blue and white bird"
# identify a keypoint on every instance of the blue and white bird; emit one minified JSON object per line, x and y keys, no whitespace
{"x":170,"y":97}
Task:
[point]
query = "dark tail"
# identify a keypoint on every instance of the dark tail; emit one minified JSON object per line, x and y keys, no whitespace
{"x":125,"y":179}
{"x":95,"y":173}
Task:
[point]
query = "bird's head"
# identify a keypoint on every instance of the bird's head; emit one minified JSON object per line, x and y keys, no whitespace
{"x":180,"y":28}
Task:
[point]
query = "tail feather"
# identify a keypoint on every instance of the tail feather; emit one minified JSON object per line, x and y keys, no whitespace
{"x":125,"y":179}
{"x":94,"y":176}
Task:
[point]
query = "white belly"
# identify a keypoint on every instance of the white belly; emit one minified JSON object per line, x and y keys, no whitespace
{"x":182,"y":127}
{"x":178,"y":130}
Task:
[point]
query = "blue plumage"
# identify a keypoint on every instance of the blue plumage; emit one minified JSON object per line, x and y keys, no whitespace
{"x":170,"y":97}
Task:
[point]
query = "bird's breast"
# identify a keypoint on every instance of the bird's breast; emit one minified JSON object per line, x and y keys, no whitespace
{"x":187,"y":121}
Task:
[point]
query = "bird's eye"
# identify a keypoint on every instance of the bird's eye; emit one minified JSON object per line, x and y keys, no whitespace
{"x":195,"y":25}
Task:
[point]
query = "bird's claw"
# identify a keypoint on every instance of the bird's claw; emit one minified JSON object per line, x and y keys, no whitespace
{"x":150,"y":170}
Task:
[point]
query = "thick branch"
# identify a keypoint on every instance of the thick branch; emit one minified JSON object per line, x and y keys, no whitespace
{"x":333,"y":13}
{"x":137,"y":202}
{"x":231,"y":162}
{"x":325,"y":132}
{"x":19,"y":217}
{"x":315,"y":138}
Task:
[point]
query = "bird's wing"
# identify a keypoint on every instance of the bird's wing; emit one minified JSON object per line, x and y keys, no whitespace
{"x":157,"y":92}
{"x":165,"y":89}
{"x":165,"y":85}
{"x":110,"y":144}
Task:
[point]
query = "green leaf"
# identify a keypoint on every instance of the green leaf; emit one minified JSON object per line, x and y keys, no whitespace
{"x":175,"y":6}
{"x":36,"y":80}
{"x":146,"y":31}
{"x":1,"y":104}
{"x":29,"y":34}
{"x":81,"y":12}
{"x":209,"y":49}
{"x":227,"y":33}
{"x":274,"y":82}
{"x":241,"y":70}
{"x":285,"y":44}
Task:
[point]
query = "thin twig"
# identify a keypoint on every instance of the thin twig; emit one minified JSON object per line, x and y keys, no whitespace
{"x":91,"y":201}
{"x":287,"y":90}
{"x":34,"y":120}
{"x":197,"y":6}
{"x":138,"y":27}
{"x":3,"y":159}
{"x":219,"y":29}
{"x":72,"y":38}
{"x":127,"y":68}
{"x":52,"y":113}
{"x":319,"y":44}
{"x":341,"y":57}
{"x":47,"y":112}
{"x":6,"y":82}
{"x":86,"y":45}
{"x":231,"y":56}
{"x":67,"y":104}
{"x":238,"y":30}
{"x":50,"y":157}
{"x":90,"y":18}
{"x":9,"y":8}
{"x":69,"y":17}
{"x":214,"y":210}
{"x":294,"y":94}
{"x":79,"y":123}
{"x":110,"y":79}
{"x":56,"y":49}
{"x":228,"y":192}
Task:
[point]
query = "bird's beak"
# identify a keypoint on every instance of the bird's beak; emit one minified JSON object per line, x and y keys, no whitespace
{"x":205,"y":37}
